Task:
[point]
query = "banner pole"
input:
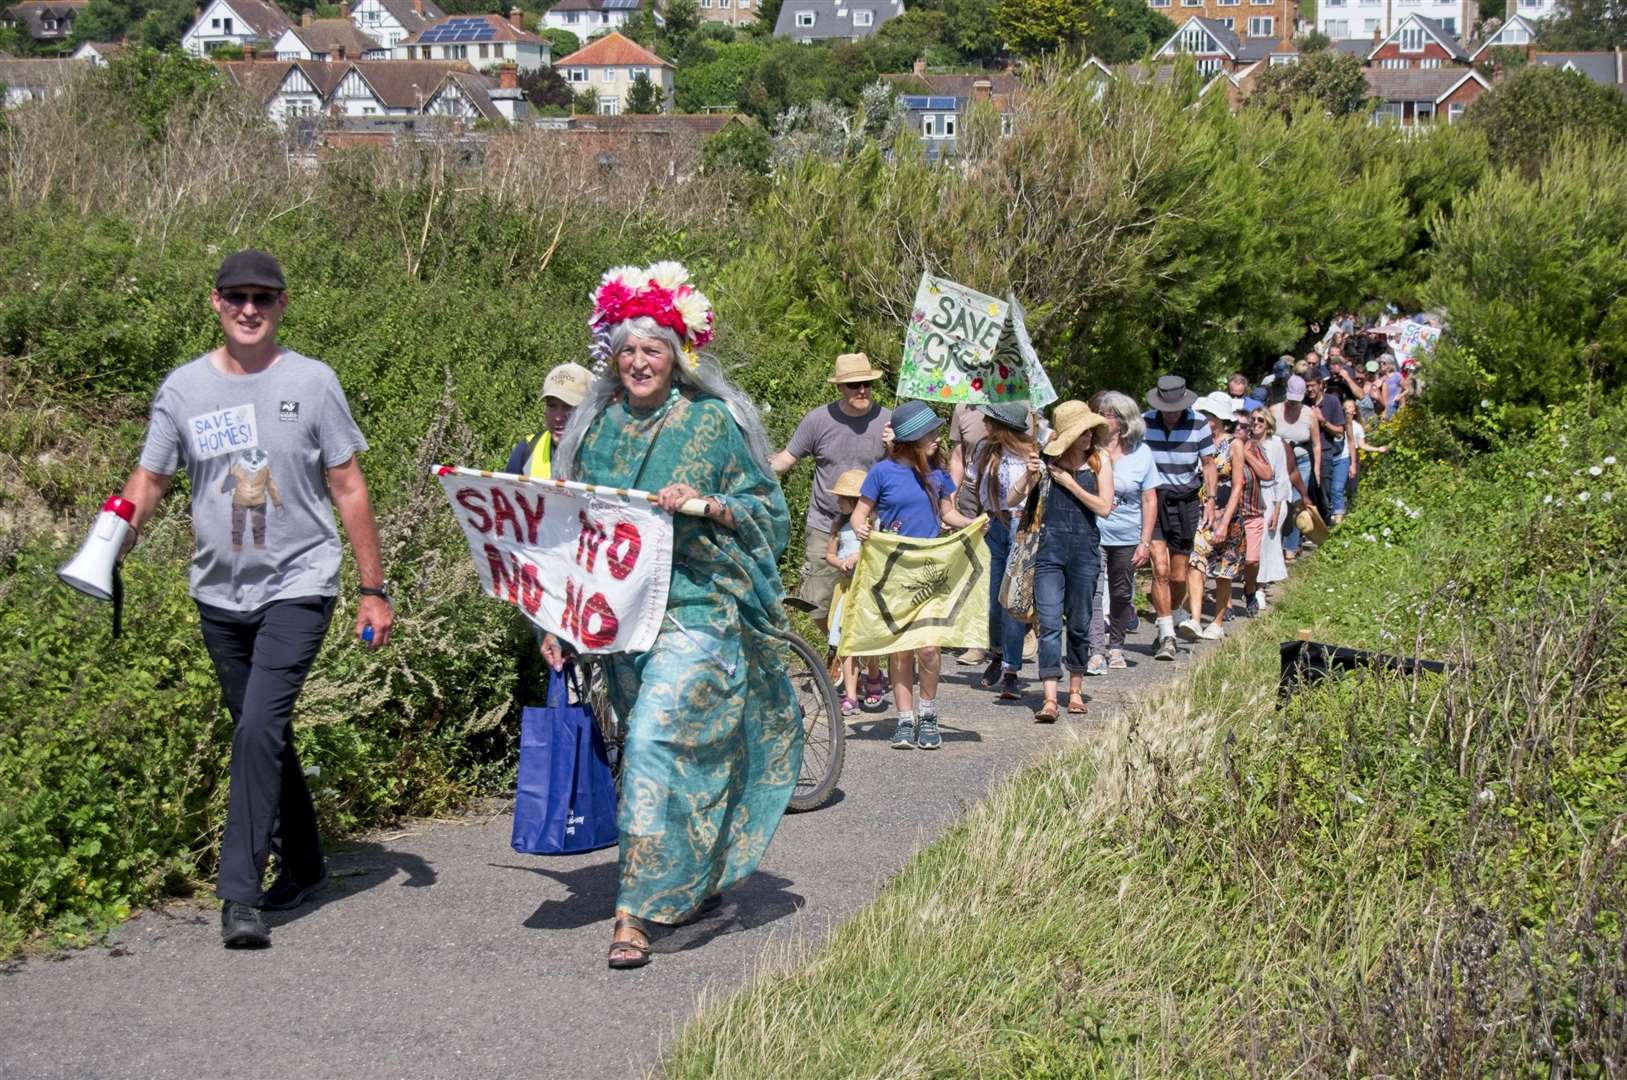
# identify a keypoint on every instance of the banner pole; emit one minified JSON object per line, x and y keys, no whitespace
{"x":693,"y":507}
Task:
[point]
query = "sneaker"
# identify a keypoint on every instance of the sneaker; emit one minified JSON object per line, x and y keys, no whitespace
{"x":1166,"y":649}
{"x":1115,"y":660}
{"x":1134,"y":624}
{"x":1188,"y":629}
{"x":926,"y":733}
{"x":286,"y":894}
{"x":991,"y":673}
{"x":850,"y":706}
{"x":1097,"y":665}
{"x":1214,"y":632}
{"x":242,"y":927}
{"x":904,"y":734}
{"x":1008,"y":688}
{"x":1252,"y":608}
{"x":974,"y":657}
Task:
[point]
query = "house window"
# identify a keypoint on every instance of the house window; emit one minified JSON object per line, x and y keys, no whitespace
{"x":1412,"y":38}
{"x":706,"y":3}
{"x":1369,"y":26}
{"x":214,"y":24}
{"x":1336,"y":28}
{"x":1230,"y":24}
{"x":609,"y":106}
{"x":1159,"y":3}
{"x":1392,"y":63}
{"x":485,"y":52}
{"x":1195,"y":39}
{"x":744,"y":4}
{"x":1262,"y":26}
{"x":578,"y":75}
{"x":1283,"y":59}
{"x":1450,"y":25}
{"x":570,"y":16}
{"x":1423,"y":110}
{"x":1430,"y":64}
{"x":368,"y":110}
{"x":1454,"y":112}
{"x":864,"y":18}
{"x":1191,"y":3}
{"x":608,"y":75}
{"x":722,"y":3}
{"x":805,"y":19}
{"x":1209,"y":67}
{"x":1516,"y":35}
{"x":1388,"y":112}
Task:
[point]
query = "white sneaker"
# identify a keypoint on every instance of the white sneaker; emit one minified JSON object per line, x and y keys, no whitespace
{"x":1188,"y":629}
{"x":1213,"y":632}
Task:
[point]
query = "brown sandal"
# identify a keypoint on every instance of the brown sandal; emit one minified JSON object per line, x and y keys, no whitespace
{"x":1079,"y":709}
{"x":1046,"y":713}
{"x":629,"y":954}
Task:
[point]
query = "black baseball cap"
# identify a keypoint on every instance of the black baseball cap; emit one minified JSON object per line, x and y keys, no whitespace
{"x":250,"y":268}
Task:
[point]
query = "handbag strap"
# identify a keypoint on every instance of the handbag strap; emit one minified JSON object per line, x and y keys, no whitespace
{"x":1034,"y":511}
{"x":564,"y":680}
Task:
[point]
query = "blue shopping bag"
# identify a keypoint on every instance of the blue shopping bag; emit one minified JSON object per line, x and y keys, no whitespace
{"x":564,"y":798}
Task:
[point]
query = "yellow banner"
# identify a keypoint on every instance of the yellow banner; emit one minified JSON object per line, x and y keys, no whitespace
{"x":909,"y":594}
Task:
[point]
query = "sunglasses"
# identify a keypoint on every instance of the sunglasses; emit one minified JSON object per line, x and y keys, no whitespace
{"x":857,"y":386}
{"x":237,"y":298}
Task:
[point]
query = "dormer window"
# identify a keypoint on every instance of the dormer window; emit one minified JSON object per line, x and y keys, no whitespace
{"x":805,"y":20}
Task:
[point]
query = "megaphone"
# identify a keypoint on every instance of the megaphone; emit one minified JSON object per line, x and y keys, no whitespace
{"x":95,"y":570}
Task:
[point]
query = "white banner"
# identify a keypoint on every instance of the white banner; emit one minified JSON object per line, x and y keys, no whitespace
{"x":587,"y":563}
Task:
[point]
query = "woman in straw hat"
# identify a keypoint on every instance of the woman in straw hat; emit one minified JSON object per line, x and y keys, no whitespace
{"x":1070,"y":561}
{"x":1007,"y":465}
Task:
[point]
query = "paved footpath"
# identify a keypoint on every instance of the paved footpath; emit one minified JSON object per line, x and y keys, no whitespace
{"x":439,"y":952}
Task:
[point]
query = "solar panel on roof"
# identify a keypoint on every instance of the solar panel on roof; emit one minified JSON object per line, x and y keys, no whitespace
{"x":915,"y":101}
{"x":619,"y":5}
{"x":940,"y":103}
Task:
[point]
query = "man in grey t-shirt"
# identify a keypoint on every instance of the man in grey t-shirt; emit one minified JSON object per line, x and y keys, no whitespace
{"x":266,"y":438}
{"x":843,"y":435}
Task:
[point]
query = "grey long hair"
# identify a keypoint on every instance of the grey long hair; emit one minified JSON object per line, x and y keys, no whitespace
{"x":707,"y":378}
{"x":1122,"y":407}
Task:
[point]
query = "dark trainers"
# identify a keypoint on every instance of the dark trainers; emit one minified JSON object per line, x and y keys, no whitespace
{"x":1253,"y":606}
{"x":926,"y":733}
{"x":904,"y":734}
{"x":241,"y":927}
{"x":991,"y":673}
{"x":1166,"y":649}
{"x":286,"y":894}
{"x":1009,"y":690}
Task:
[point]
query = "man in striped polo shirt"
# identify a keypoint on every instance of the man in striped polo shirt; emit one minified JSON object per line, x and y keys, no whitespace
{"x":1183,"y":449}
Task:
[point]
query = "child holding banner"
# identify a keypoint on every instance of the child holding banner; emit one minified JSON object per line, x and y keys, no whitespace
{"x":903,"y":494}
{"x":842,"y":555}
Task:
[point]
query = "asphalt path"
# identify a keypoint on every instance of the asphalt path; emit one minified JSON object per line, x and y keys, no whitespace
{"x":439,"y":952}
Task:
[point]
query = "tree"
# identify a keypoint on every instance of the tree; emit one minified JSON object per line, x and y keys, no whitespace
{"x":768,"y":13}
{"x":560,"y":42}
{"x":1333,"y":80}
{"x":101,"y":20}
{"x":683,"y":18}
{"x":1582,"y":25}
{"x":545,"y":88}
{"x":1524,"y":115}
{"x":1314,"y":42}
{"x":1128,"y":30}
{"x":159,"y":23}
{"x":586,"y":102}
{"x":718,"y":78}
{"x":1034,"y":27}
{"x":643,"y":98}
{"x":741,"y":147}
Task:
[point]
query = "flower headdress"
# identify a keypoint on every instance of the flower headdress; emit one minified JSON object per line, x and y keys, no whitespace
{"x":661,"y":292}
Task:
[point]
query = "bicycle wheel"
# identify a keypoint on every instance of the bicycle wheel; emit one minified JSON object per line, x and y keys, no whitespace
{"x":822,"y":728}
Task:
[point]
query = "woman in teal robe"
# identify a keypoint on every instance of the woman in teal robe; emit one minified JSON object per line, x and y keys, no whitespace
{"x":714,"y":735}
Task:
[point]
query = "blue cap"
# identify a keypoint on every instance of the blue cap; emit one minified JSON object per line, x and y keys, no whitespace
{"x":1259,"y":395}
{"x":913,"y":419}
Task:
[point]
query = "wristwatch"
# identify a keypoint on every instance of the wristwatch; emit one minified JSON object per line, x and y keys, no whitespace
{"x":382,"y":592}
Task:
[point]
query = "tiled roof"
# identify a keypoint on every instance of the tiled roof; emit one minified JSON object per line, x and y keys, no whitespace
{"x":1448,"y":41}
{"x":1601,"y":67}
{"x":268,"y":21}
{"x":33,"y":13}
{"x":582,"y":5}
{"x":664,"y":123}
{"x":407,"y":84}
{"x":1413,"y":84}
{"x":834,"y":18}
{"x":326,"y":35}
{"x":501,"y":30}
{"x":612,"y":50}
{"x":408,"y":16}
{"x":37,"y":74}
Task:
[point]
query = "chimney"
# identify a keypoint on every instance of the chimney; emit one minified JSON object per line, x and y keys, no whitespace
{"x":339,"y":53}
{"x":920,"y":65}
{"x":515,"y":16}
{"x":982,"y":90}
{"x":508,"y":77}
{"x":305,"y":18}
{"x":1378,"y":36}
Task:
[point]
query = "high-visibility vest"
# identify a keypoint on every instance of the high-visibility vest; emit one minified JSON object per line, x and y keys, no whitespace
{"x":540,"y":465}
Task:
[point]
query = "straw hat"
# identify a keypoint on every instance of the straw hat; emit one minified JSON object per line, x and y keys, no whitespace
{"x":1311,"y":524}
{"x":1071,"y":420}
{"x":848,"y":483}
{"x":853,"y":367}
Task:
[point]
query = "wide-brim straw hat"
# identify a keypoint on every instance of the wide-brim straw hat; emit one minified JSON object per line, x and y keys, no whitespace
{"x":1171,"y":395}
{"x":853,"y":367}
{"x":848,"y":483}
{"x":1311,"y":524}
{"x":1071,"y":420}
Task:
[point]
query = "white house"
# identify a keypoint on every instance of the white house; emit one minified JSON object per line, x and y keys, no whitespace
{"x":390,"y":22}
{"x":35,"y":80}
{"x":234,"y":22}
{"x":481,"y":41}
{"x":1516,"y":32}
{"x":584,"y":18}
{"x":470,"y":97}
{"x":327,"y":39}
{"x":1348,"y":19}
{"x":609,"y":65}
{"x":97,"y":53}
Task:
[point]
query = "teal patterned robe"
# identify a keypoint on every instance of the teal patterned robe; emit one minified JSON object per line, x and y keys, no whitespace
{"x":714,"y":738}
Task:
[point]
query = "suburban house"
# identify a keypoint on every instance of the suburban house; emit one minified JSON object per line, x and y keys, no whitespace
{"x":234,"y":22}
{"x":728,"y":12}
{"x":390,"y":22}
{"x":1246,"y":18}
{"x":1413,"y":96}
{"x":1604,"y":68}
{"x":1217,"y":50}
{"x":480,"y":40}
{"x":1532,"y":9}
{"x":327,"y":39}
{"x":588,"y":17}
{"x":824,"y":20}
{"x":35,"y":80}
{"x":936,"y":105}
{"x":1515,"y":32}
{"x":1361,"y":19}
{"x":1420,"y":44}
{"x":98,"y":53}
{"x":378,"y":90}
{"x":609,"y":65}
{"x":46,"y":21}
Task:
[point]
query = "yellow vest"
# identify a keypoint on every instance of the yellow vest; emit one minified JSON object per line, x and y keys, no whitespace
{"x":540,"y":466}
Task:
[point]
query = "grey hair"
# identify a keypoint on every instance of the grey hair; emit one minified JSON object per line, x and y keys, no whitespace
{"x":706,"y":377}
{"x":1122,"y":407}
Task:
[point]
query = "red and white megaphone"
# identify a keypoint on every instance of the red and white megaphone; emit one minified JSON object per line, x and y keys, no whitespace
{"x":95,"y":570}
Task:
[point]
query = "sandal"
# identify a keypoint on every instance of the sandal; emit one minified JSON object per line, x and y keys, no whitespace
{"x":849,"y":706}
{"x":1046,"y":713}
{"x":875,"y":691}
{"x":1076,"y":705}
{"x":629,"y":954}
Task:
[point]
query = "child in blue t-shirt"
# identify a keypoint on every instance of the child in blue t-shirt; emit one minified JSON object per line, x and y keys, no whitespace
{"x":903,"y":494}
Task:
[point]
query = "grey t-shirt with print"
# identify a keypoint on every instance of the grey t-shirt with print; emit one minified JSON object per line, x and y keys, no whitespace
{"x":256,"y":449}
{"x":837,"y":442}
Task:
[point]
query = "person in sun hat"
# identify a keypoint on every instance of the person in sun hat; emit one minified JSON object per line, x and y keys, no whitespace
{"x":842,"y":555}
{"x":844,"y":434}
{"x":562,"y":391}
{"x":902,"y":493}
{"x":1007,"y":465}
{"x":1069,"y":561}
{"x":1183,"y":450}
{"x":1222,"y":549}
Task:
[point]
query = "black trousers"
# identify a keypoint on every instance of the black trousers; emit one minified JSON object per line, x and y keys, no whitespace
{"x":1121,"y":580}
{"x":261,"y":659}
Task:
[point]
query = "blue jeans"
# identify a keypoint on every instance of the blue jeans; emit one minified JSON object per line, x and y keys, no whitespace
{"x":1065,"y":579}
{"x":1005,"y":633}
{"x":1290,"y":528}
{"x":1339,"y":479}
